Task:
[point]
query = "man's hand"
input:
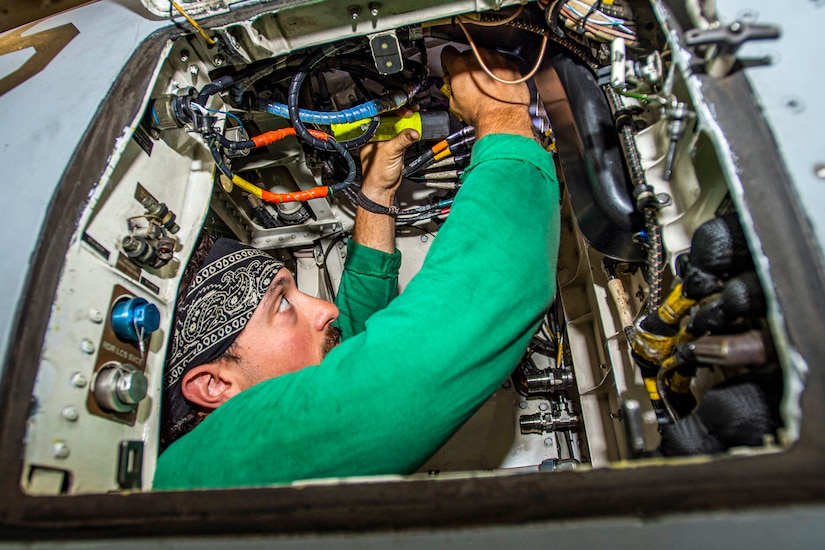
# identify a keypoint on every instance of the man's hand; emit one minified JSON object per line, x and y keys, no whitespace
{"x":381,"y":165}
{"x":491,"y":106}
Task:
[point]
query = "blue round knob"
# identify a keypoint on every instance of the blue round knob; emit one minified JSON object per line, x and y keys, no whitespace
{"x":134,"y":319}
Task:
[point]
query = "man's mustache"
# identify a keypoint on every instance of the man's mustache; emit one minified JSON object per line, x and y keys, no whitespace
{"x":332,"y":339}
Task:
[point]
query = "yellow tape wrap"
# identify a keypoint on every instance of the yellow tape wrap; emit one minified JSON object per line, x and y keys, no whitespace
{"x":388,"y":128}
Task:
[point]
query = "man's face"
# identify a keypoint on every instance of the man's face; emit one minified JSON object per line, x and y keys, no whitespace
{"x":288,"y":331}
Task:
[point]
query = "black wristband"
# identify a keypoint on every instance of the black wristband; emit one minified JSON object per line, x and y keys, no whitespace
{"x":370,"y":206}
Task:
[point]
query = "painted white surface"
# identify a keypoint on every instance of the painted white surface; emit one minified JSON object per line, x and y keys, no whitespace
{"x":43,"y":120}
{"x":789,"y":91}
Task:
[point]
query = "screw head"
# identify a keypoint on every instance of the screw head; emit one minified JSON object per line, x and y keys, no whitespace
{"x":184,"y":55}
{"x":78,"y":380}
{"x":819,"y":170}
{"x":218,"y":60}
{"x":95,"y":316}
{"x":70,"y":413}
{"x":60,"y":449}
{"x":87,"y":346}
{"x":354,"y":12}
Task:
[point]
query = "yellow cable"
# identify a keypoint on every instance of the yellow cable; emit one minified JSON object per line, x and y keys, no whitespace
{"x":209,"y":40}
{"x":246,"y":186}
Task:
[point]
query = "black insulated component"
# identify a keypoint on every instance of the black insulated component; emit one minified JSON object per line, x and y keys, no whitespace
{"x":260,"y":212}
{"x":736,"y":413}
{"x":214,"y":87}
{"x":696,"y":283}
{"x":741,"y":300}
{"x":601,"y":193}
{"x":719,"y":247}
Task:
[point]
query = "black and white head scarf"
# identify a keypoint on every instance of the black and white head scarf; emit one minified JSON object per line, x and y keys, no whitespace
{"x":220,"y":301}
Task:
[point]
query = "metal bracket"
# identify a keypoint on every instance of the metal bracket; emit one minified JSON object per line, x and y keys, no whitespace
{"x":724,"y":41}
{"x":386,"y":51}
{"x":130,"y":465}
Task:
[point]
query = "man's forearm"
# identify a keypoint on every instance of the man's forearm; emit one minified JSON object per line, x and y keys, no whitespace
{"x":375,"y":230}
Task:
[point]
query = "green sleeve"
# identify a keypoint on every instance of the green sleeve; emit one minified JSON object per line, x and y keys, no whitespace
{"x":387,"y":398}
{"x":369,"y":283}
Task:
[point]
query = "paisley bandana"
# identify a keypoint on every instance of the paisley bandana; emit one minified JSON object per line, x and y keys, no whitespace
{"x":224,"y":294}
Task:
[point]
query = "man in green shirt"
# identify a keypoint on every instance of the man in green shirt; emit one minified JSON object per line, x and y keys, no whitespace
{"x":254,"y":362}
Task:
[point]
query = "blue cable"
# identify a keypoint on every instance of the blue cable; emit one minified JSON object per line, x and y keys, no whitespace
{"x":363,"y":111}
{"x":227,"y":113}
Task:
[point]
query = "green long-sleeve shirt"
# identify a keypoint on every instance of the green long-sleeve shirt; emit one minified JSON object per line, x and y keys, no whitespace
{"x":409,"y":374}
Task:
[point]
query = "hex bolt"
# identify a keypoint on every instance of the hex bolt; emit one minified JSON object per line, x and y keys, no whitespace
{"x":60,"y":449}
{"x":87,"y":346}
{"x":70,"y":413}
{"x":78,"y":380}
{"x":193,"y":72}
{"x":218,"y":61}
{"x":543,"y":407}
{"x":424,"y":238}
{"x":548,"y":442}
{"x":354,"y":12}
{"x":522,"y":404}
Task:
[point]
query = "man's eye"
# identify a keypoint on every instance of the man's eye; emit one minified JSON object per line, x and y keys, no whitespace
{"x":284,"y":305}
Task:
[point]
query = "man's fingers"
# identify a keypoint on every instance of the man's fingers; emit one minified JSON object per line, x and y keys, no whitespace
{"x":403,"y":140}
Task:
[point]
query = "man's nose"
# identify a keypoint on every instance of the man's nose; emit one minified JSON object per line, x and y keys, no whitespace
{"x":325,"y":313}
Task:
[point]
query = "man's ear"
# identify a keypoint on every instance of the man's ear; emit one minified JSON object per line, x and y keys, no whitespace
{"x":210,"y":385}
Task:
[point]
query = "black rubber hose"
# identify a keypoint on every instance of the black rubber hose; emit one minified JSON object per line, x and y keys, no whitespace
{"x":234,"y":145}
{"x":301,"y":129}
{"x":553,"y":17}
{"x":217,"y":85}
